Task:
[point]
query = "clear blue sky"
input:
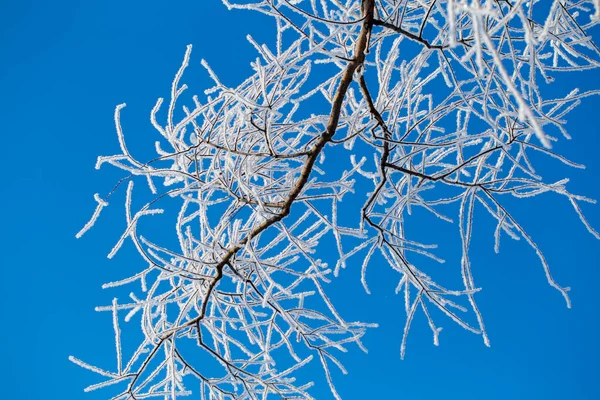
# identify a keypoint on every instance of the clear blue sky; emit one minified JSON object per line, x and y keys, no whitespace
{"x":65,"y":65}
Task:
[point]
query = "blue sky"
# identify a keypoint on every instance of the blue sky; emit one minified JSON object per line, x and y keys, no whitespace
{"x":65,"y":65}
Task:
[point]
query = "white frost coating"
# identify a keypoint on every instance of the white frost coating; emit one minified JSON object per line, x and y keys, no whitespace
{"x":92,"y":221}
{"x":440,"y":128}
{"x":176,"y":91}
{"x":92,"y":368}
{"x":525,"y":112}
{"x":120,"y":130}
{"x":117,"y":337}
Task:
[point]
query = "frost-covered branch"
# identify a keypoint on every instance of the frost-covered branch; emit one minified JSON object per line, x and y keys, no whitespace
{"x":436,"y":105}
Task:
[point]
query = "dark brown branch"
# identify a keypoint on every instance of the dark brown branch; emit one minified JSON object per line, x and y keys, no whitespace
{"x":345,"y":81}
{"x":408,"y":34}
{"x":414,"y":37}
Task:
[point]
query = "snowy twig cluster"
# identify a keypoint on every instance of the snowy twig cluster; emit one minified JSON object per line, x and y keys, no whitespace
{"x":437,"y":105}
